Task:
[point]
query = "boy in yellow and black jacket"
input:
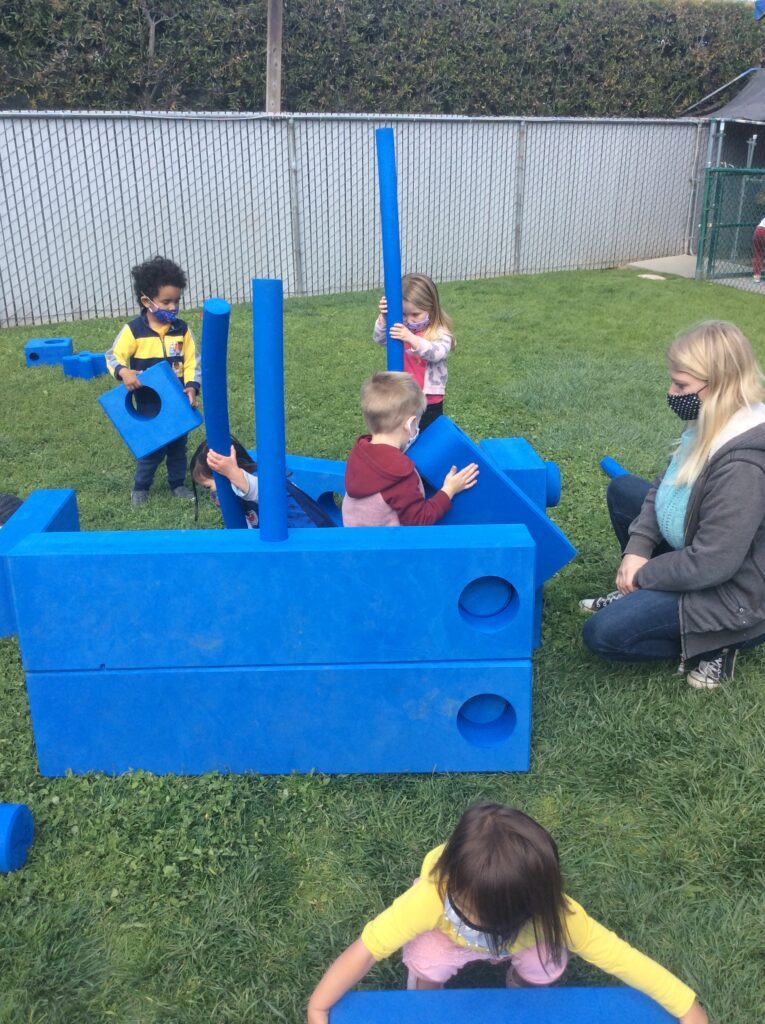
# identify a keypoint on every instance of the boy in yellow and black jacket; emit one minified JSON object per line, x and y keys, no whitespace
{"x":157,"y":334}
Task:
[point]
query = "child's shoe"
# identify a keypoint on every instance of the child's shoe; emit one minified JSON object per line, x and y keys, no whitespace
{"x":139,"y":498}
{"x":709,"y":675}
{"x":756,"y":278}
{"x":594,"y":604}
{"x":182,"y":492}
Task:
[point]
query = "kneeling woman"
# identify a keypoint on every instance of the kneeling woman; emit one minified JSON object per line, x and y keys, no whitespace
{"x":691,"y":583}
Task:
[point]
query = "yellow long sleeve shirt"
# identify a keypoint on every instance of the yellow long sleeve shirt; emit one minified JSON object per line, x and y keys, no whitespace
{"x":138,"y":346}
{"x":421,"y":909}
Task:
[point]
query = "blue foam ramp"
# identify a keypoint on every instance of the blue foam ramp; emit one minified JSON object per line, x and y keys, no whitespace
{"x":47,"y":351}
{"x":494,"y":499}
{"x":16,"y":834}
{"x":43,"y":511}
{"x":322,"y":597}
{"x":142,"y":434}
{"x":492,"y":1006}
{"x":422,"y":717}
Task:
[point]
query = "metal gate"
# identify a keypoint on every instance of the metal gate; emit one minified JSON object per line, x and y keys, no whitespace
{"x":733,"y":206}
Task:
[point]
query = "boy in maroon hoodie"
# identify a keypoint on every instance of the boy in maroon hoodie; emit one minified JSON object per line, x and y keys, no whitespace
{"x":382,"y":486}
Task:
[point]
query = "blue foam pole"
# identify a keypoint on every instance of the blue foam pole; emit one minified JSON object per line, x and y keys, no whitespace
{"x":391,"y":242}
{"x":215,"y":320}
{"x":612,"y":468}
{"x":268,"y":344}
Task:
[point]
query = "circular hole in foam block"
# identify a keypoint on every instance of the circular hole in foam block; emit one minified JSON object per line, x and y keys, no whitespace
{"x":145,"y":408}
{"x":486,"y":720}
{"x":488,"y":603}
{"x":34,"y":356}
{"x":16,"y":833}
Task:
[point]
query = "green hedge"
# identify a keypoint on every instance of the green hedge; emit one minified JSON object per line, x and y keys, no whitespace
{"x":543,"y":57}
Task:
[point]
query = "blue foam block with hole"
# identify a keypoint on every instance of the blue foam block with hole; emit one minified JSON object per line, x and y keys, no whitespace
{"x":43,"y":511}
{"x":84,"y":365}
{"x":491,"y":1006}
{"x":407,"y":717}
{"x":17,"y":831}
{"x":47,"y":351}
{"x":323,"y":597}
{"x":144,"y":435}
{"x":494,"y":499}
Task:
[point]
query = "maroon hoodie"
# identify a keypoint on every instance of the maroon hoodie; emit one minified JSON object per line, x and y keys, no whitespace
{"x":383,"y":488}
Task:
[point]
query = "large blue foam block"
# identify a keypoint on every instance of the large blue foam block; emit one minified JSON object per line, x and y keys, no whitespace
{"x":494,"y":499}
{"x":144,"y":435}
{"x":42,"y":512}
{"x":325,"y":597}
{"x":491,"y":1006}
{"x":403,"y":717}
{"x":516,"y":458}
{"x":17,"y":831}
{"x":47,"y":351}
{"x":84,"y":365}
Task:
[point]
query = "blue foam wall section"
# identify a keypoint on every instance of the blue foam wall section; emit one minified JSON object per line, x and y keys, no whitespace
{"x":494,"y":499}
{"x":325,"y":597}
{"x":418,"y":717}
{"x":492,"y":1006}
{"x":43,"y":511}
{"x":391,"y":240}
{"x":47,"y":351}
{"x":144,"y":435}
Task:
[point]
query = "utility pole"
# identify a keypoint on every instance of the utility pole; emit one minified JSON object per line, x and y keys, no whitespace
{"x":274,"y":58}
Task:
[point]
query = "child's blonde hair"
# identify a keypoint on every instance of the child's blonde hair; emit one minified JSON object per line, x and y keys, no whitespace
{"x":421,"y":291}
{"x":716,"y":352}
{"x":388,"y":399}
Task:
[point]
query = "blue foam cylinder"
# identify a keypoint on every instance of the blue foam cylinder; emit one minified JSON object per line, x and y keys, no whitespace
{"x":216,"y":314}
{"x":16,"y":834}
{"x":391,"y":240}
{"x":268,"y":343}
{"x":612,"y":468}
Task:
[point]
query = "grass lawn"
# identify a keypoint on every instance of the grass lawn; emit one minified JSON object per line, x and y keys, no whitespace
{"x":222,"y":898}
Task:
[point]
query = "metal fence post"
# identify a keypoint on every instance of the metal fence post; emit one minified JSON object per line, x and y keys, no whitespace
{"x":297,"y":234}
{"x":520,"y":189}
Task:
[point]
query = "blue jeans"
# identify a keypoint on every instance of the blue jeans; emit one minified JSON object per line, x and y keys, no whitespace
{"x":145,"y":468}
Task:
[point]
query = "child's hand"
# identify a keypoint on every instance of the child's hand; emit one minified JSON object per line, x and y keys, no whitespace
{"x":455,"y":482}
{"x":317,"y":1016}
{"x":130,"y":379}
{"x":401,"y":333}
{"x":383,"y":308}
{"x":223,"y":464}
{"x":696,"y":1015}
{"x":191,"y":394}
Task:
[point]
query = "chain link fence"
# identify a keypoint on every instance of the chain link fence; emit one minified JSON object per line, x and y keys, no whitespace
{"x":85,"y":196}
{"x":731,"y":242}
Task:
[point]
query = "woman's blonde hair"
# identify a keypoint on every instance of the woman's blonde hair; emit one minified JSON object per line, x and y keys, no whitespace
{"x":716,"y":352}
{"x":422,"y":293}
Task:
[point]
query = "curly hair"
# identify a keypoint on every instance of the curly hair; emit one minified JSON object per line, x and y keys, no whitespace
{"x":154,"y":274}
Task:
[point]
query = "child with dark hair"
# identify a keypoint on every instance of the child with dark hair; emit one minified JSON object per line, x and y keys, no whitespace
{"x":239,"y":469}
{"x":157,"y":334}
{"x":494,"y":892}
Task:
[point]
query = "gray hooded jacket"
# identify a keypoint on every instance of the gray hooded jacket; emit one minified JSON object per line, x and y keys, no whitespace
{"x":720,"y":573}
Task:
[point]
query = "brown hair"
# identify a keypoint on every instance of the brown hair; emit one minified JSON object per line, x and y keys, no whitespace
{"x":390,"y":398}
{"x":502,"y":868}
{"x":421,"y":291}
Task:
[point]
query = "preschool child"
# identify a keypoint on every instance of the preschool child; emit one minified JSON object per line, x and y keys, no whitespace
{"x":428,"y":338}
{"x":382,"y":486}
{"x":494,"y":892}
{"x":239,"y":469}
{"x":157,"y":334}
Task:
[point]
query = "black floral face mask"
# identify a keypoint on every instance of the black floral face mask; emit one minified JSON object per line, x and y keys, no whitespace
{"x":687,"y":407}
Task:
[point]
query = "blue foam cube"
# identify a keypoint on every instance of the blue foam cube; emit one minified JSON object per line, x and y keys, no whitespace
{"x":143,"y":434}
{"x":84,"y":365}
{"x":16,"y":833}
{"x":47,"y":351}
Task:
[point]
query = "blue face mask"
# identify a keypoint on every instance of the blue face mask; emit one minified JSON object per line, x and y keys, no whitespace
{"x":418,"y":325}
{"x":165,"y":316}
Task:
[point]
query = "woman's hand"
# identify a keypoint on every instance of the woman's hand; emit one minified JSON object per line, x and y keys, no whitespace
{"x":696,"y":1015}
{"x":625,"y":577}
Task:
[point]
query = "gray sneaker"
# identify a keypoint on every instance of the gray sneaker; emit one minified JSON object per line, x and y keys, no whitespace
{"x":182,"y":492}
{"x":709,"y":675}
{"x":594,"y":604}
{"x":139,"y":498}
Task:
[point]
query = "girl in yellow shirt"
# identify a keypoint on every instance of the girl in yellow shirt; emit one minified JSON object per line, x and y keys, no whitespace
{"x":494,"y":892}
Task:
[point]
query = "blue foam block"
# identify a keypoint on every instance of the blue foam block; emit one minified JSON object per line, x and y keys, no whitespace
{"x":47,"y":351}
{"x":43,"y":511}
{"x":85,"y":365}
{"x":322,"y":597}
{"x":494,"y":499}
{"x":144,"y":435}
{"x":420,"y":717}
{"x":322,"y":479}
{"x":491,"y":1006}
{"x":516,"y":458}
{"x":17,"y":830}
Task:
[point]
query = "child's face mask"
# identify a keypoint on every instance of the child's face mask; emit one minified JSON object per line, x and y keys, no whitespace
{"x":413,"y":429}
{"x":418,"y":325}
{"x":165,"y":316}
